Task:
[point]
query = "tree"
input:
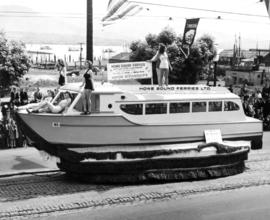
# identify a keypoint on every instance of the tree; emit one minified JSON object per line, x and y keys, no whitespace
{"x":151,"y":40}
{"x":14,"y":62}
{"x":167,"y":36}
{"x":185,"y":71}
{"x":140,"y":51}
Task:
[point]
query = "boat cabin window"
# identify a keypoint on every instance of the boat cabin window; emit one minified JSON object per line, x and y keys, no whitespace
{"x":60,"y":96}
{"x":180,"y":107}
{"x":231,"y":106}
{"x":215,"y":106}
{"x":133,"y":109}
{"x":155,"y":108}
{"x":198,"y":106}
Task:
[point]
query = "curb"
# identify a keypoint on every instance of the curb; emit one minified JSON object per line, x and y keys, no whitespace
{"x":31,"y":172}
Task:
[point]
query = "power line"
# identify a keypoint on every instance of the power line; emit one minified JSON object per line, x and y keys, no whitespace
{"x":45,"y":16}
{"x":139,"y":2}
{"x":34,"y":12}
{"x":48,"y":13}
{"x":41,"y":16}
{"x":198,"y":9}
{"x":137,"y":17}
{"x":170,"y":17}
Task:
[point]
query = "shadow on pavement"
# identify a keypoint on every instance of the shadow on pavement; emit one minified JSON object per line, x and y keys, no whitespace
{"x":26,"y":164}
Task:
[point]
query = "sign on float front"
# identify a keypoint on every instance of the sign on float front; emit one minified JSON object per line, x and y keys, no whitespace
{"x":130,"y":70}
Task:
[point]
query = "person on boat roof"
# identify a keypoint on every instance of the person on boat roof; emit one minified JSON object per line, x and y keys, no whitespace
{"x":164,"y":64}
{"x":88,"y":88}
{"x":50,"y":108}
{"x":61,"y":67}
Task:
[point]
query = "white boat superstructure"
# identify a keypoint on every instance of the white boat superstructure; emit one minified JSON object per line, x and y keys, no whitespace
{"x":144,"y":114}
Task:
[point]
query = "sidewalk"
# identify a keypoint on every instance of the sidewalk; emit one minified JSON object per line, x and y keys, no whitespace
{"x":24,"y":160}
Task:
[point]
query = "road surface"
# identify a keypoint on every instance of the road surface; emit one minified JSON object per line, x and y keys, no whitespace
{"x":244,"y":204}
{"x":54,"y":196}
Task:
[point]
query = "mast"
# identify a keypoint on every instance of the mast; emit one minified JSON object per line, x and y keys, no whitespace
{"x":89,"y":30}
{"x":239,"y":47}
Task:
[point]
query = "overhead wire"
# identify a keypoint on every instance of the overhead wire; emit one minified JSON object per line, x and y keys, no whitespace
{"x":170,"y":17}
{"x":143,"y":3}
{"x":198,"y":9}
{"x":35,"y":12}
{"x":31,"y":14}
{"x":41,"y":16}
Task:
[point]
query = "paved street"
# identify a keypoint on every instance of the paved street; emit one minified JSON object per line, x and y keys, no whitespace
{"x":27,"y":160}
{"x":243,"y":204}
{"x":54,"y":196}
{"x":24,"y":160}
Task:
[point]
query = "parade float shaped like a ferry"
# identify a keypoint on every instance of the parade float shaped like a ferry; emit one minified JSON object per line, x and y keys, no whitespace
{"x":138,"y":133}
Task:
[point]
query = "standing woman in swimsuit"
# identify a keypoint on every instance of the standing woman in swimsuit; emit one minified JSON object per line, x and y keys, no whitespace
{"x":88,"y":88}
{"x":61,"y":67}
{"x":164,"y":64}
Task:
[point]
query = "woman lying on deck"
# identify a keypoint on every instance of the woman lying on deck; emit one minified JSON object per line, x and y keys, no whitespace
{"x":37,"y":105}
{"x":50,"y":108}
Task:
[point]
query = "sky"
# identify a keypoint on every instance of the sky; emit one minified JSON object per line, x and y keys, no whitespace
{"x":68,"y":17}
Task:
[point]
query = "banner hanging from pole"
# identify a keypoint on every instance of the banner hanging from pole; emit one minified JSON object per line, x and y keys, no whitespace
{"x":189,"y":33}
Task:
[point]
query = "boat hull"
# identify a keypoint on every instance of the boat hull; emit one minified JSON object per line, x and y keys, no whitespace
{"x":51,"y":132}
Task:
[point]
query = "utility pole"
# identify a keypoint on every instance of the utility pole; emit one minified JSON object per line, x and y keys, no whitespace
{"x":89,"y":30}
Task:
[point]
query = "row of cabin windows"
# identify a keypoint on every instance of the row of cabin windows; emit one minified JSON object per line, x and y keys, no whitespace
{"x":179,"y":107}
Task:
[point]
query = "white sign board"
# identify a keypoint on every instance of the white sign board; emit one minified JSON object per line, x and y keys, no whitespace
{"x":130,"y":70}
{"x":213,"y":136}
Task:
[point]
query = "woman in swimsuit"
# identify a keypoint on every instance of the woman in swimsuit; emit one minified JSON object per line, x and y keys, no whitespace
{"x":48,"y":98}
{"x":49,"y":107}
{"x":88,"y":88}
{"x":61,"y":67}
{"x":164,"y":64}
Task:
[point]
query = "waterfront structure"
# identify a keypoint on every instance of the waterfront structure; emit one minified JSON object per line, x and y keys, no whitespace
{"x":239,"y":77}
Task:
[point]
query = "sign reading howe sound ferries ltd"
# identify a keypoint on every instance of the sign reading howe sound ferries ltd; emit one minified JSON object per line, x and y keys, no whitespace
{"x":130,"y":70}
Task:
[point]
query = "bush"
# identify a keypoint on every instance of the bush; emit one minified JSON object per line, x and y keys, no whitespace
{"x":14,"y":62}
